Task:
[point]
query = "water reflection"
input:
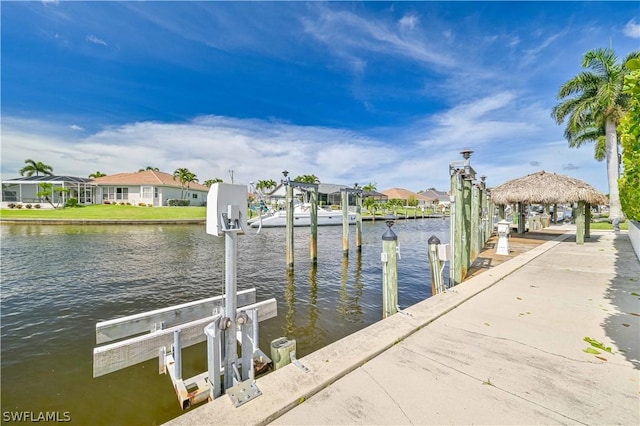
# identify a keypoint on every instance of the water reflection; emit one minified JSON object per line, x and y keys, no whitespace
{"x":350,"y":308}
{"x":304,"y":324}
{"x":59,"y":281}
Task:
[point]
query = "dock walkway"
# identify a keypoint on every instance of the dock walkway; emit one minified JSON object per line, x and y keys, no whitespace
{"x":505,"y":347}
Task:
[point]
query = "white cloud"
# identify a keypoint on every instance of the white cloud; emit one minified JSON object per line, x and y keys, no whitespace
{"x":210,"y":146}
{"x":531,"y":55}
{"x":408,"y":22}
{"x":93,"y":39}
{"x":632,"y":29}
{"x":75,"y":127}
{"x":351,"y":36}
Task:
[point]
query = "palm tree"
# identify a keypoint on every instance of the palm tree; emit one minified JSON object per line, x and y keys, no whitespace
{"x":189,"y":179}
{"x":97,"y":174}
{"x":266,"y":184}
{"x":210,"y":182}
{"x":155,"y":169}
{"x":36,"y":167}
{"x":370,"y":187}
{"x":307,"y":179}
{"x":371,"y":205}
{"x":593,"y":104}
{"x":182,"y":174}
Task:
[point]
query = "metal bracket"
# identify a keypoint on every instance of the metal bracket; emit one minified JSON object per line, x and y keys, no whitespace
{"x":297,"y":363}
{"x":243,"y":392}
{"x":400,"y":311}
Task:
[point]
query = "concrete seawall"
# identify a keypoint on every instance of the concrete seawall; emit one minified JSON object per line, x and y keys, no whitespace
{"x":504,"y":347}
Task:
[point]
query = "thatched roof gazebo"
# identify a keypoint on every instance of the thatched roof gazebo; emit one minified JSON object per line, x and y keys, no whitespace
{"x":546,"y":188}
{"x":551,"y":188}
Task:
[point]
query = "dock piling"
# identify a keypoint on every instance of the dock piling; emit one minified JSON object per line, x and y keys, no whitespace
{"x":389,"y":272}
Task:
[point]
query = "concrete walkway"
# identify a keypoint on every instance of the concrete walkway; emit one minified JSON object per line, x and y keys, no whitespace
{"x":505,"y":347}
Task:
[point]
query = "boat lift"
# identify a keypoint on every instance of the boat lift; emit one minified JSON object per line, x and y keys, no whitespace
{"x":222,"y":321}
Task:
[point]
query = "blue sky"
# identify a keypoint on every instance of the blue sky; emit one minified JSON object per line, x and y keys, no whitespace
{"x":382,"y":92}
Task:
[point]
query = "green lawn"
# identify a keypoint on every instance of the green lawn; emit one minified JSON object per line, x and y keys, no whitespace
{"x":609,"y":226}
{"x":107,"y":212}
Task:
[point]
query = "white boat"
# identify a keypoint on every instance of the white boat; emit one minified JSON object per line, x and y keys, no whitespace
{"x":302,"y":217}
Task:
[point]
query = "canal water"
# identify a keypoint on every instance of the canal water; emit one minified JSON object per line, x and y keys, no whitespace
{"x":58,"y":281}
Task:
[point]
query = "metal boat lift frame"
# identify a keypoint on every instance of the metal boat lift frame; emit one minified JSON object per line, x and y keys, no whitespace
{"x":218,"y":320}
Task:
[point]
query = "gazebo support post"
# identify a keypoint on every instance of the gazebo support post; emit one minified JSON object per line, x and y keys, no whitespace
{"x":580,"y":221}
{"x":521,"y":222}
{"x":554,"y":217}
{"x":501,"y":212}
{"x":587,"y":221}
{"x":489,"y":218}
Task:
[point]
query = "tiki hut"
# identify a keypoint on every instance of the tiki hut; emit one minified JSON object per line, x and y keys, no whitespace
{"x":546,"y":188}
{"x":550,"y":188}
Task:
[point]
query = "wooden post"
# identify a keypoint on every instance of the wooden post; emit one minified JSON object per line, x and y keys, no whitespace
{"x":289,"y":230}
{"x":521,"y":221}
{"x":554,"y":217}
{"x":345,"y":223}
{"x":389,"y":272}
{"x":437,"y":280}
{"x":474,"y":241}
{"x":484,"y":214}
{"x":313,"y":242}
{"x":580,"y":219}
{"x":359,"y":221}
{"x":466,"y":225}
{"x":490,"y":215}
{"x":456,"y":228}
{"x":587,"y":221}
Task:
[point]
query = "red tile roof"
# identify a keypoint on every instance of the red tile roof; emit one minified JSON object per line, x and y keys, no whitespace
{"x":403,"y":194}
{"x":146,"y":177}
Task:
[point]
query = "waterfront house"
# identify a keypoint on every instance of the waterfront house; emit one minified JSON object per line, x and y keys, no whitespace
{"x":23,"y":190}
{"x":406,"y":196}
{"x":148,"y":187}
{"x":328,"y":194}
{"x":440,"y":198}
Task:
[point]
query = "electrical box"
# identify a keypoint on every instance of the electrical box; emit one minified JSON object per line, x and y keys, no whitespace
{"x":444,"y":252}
{"x":225,"y":201}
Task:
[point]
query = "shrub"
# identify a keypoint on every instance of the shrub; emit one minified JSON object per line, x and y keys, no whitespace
{"x":178,"y":203}
{"x":149,"y":205}
{"x":128,"y":203}
{"x":11,"y":206}
{"x":28,"y":206}
{"x":37,"y":206}
{"x":142,"y":204}
{"x":629,"y":183}
{"x":107,"y":202}
{"x":19,"y":206}
{"x":122,"y":203}
{"x":72,"y":202}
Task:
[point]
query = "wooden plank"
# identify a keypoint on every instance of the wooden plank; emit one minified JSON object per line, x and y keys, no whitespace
{"x":146,"y":322}
{"x":125,"y":353}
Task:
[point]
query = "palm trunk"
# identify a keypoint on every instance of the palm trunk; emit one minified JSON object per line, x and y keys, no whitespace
{"x":613,"y":170}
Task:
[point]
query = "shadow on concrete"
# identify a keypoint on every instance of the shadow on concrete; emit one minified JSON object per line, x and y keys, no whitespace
{"x":623,"y":326}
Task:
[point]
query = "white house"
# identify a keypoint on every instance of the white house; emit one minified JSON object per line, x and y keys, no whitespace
{"x":23,"y":190}
{"x":149,"y":187}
